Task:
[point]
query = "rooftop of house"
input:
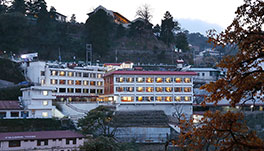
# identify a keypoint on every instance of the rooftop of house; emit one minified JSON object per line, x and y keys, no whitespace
{"x":10,"y":105}
{"x":133,"y":72}
{"x":141,"y":119}
{"x":39,"y":135}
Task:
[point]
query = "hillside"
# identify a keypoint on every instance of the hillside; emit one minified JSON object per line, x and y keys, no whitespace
{"x":10,"y":71}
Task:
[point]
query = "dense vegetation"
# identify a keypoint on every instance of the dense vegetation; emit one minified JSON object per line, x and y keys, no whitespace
{"x":10,"y":71}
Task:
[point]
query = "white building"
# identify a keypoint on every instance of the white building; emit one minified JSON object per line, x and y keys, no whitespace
{"x":37,"y":100}
{"x":205,"y":75}
{"x":41,"y":141}
{"x":12,"y":110}
{"x":150,"y":90}
{"x":72,"y":83}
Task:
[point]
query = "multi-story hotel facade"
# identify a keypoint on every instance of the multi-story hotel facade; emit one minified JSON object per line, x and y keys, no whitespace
{"x":150,"y":90}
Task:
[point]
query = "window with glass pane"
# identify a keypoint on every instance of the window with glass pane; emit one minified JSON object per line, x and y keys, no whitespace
{"x":159,"y":98}
{"x":177,"y":98}
{"x":99,"y":83}
{"x":149,"y":98}
{"x":70,"y":90}
{"x":130,"y":89}
{"x":187,"y":89}
{"x":149,"y":89}
{"x":187,"y":80}
{"x":92,"y":82}
{"x":78,"y":74}
{"x":54,"y":73}
{"x":149,"y":80}
{"x":130,"y":80}
{"x":78,"y":82}
{"x":140,"y":79}
{"x":140,"y":89}
{"x":168,"y":89}
{"x":178,"y":89}
{"x":139,"y":98}
{"x":62,"y":73}
{"x":85,"y":90}
{"x":70,"y":74}
{"x":62,"y":81}
{"x":62,"y":90}
{"x":159,"y":89}
{"x":178,"y":80}
{"x":53,"y":81}
{"x":168,"y":80}
{"x":168,"y":99}
{"x":85,"y":74}
{"x":159,"y":80}
{"x":70,"y":82}
{"x":119,"y":89}
{"x":187,"y":98}
{"x":85,"y":82}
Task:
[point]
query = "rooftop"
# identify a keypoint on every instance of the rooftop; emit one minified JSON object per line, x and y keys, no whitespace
{"x":39,"y":135}
{"x":132,"y":72}
{"x":10,"y":105}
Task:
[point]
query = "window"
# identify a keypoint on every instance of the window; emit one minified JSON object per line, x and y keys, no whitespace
{"x":46,"y":142}
{"x":78,"y":74}
{"x":99,"y":75}
{"x":92,"y":75}
{"x":85,"y":90}
{"x":177,"y":98}
{"x":139,"y":98}
{"x":53,"y":81}
{"x":45,"y":103}
{"x":70,"y":82}
{"x":187,"y":98}
{"x":99,"y":83}
{"x":70,"y":90}
{"x":85,"y":74}
{"x":168,"y":80}
{"x":168,"y":89}
{"x":130,"y":80}
{"x":178,"y":80}
{"x":78,"y":90}
{"x":178,"y":89}
{"x":78,"y":82}
{"x":149,"y":98}
{"x":149,"y":80}
{"x":62,"y":81}
{"x":187,"y":89}
{"x":159,"y":98}
{"x":85,"y":82}
{"x":92,"y":91}
{"x":159,"y":80}
{"x":140,"y":89}
{"x":42,"y":81}
{"x":67,"y":141}
{"x":2,"y":114}
{"x":149,"y":89}
{"x":187,"y":80}
{"x":159,"y":89}
{"x":92,"y":82}
{"x":140,"y":79}
{"x":119,"y":89}
{"x":127,"y":99}
{"x":70,"y":74}
{"x":45,"y":114}
{"x":130,"y":89}
{"x":62,"y":73}
{"x":54,"y":73}
{"x":45,"y":93}
{"x":14,"y":143}
{"x":99,"y":91}
{"x":198,"y":74}
{"x":203,"y":74}
{"x":42,"y":73}
{"x":62,"y":90}
{"x":120,"y":79}
{"x":168,"y":99}
{"x":14,"y":114}
{"x":74,"y":141}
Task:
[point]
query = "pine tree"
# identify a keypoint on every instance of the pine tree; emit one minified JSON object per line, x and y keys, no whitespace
{"x":18,"y":6}
{"x":73,"y":19}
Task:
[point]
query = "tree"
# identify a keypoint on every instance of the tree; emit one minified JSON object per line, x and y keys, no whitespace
{"x":99,"y":122}
{"x":3,"y":6}
{"x":168,"y":26}
{"x":156,"y":31}
{"x":243,"y":82}
{"x":18,"y":6}
{"x":181,"y":41}
{"x":73,"y":19}
{"x":144,"y":12}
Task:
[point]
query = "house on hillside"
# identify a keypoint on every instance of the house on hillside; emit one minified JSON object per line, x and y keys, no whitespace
{"x":12,"y":110}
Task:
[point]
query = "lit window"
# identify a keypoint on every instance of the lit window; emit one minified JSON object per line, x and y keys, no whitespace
{"x":187,"y":89}
{"x":127,"y":99}
{"x":70,"y":74}
{"x":139,"y":98}
{"x":140,"y":89}
{"x":178,"y":89}
{"x":187,"y":80}
{"x":78,"y":82}
{"x":168,"y":99}
{"x":99,"y":83}
{"x":92,"y":82}
{"x":149,"y":80}
{"x":42,"y":82}
{"x":178,"y":80}
{"x":177,"y":98}
{"x":140,"y":79}
{"x":119,"y":89}
{"x":168,"y":80}
{"x":44,"y":114}
{"x":78,"y":74}
{"x":53,"y":81}
{"x":149,"y":89}
{"x":62,"y":73}
{"x":85,"y":82}
{"x":45,"y":103}
{"x":130,"y":89}
{"x":130,"y":80}
{"x":45,"y":93}
{"x":54,"y":73}
{"x":159,"y":80}
{"x":187,"y":98}
{"x":159,"y":89}
{"x":168,"y":89}
{"x":121,"y":79}
{"x":149,"y":98}
{"x":159,"y":98}
{"x":70,"y":82}
{"x":85,"y":90}
{"x":62,"y":81}
{"x":70,"y":90}
{"x":99,"y":75}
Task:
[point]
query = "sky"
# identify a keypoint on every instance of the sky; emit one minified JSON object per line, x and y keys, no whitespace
{"x":212,"y":12}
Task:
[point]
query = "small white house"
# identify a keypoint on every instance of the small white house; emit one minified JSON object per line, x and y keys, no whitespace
{"x":37,"y":100}
{"x":12,"y":110}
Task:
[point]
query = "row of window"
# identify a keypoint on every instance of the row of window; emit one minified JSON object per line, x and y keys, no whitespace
{"x":151,"y":89}
{"x":42,"y":142}
{"x":79,"y":90}
{"x":75,"y":74}
{"x":157,"y":98}
{"x":151,"y":80}
{"x":76,"y":82}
